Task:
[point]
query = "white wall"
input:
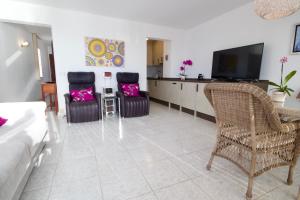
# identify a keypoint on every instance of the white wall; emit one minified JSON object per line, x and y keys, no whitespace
{"x":69,"y":29}
{"x":242,"y":27}
{"x":18,"y":76}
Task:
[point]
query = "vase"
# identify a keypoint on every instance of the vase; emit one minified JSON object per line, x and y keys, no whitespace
{"x":182,"y":77}
{"x":278,"y":96}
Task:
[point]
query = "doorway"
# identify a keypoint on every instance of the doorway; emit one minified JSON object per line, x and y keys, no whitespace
{"x":27,"y":59}
{"x":155,"y":58}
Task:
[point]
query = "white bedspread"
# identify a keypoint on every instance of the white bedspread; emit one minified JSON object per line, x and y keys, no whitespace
{"x":26,"y":123}
{"x":20,"y":139}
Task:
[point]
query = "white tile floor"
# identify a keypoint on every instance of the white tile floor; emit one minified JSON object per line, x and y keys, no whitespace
{"x":158,"y":157}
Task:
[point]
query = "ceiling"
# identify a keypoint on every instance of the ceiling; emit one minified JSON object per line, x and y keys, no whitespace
{"x":173,"y":13}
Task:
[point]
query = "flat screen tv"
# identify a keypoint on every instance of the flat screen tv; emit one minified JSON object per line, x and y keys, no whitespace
{"x":242,"y":63}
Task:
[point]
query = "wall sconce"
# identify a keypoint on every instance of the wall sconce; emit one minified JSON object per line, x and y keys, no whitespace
{"x":24,"y":44}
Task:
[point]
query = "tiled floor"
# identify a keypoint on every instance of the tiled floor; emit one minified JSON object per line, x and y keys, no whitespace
{"x":158,"y":157}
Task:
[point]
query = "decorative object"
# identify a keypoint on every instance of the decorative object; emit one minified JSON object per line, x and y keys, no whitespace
{"x":2,"y":121}
{"x":296,"y":42}
{"x":275,"y":9}
{"x":24,"y":44}
{"x":130,"y":89}
{"x":183,"y":68}
{"x":104,"y":52}
{"x":250,"y":132}
{"x":282,"y":90}
{"x":82,"y":95}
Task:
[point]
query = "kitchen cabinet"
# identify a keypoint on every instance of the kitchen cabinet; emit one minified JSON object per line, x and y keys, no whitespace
{"x":202,"y":104}
{"x":163,"y":90}
{"x":188,"y":95}
{"x":155,"y":52}
{"x":174,"y":92}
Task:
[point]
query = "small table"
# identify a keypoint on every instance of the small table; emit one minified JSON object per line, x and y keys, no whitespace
{"x":289,"y":109}
{"x":109,"y":104}
{"x":49,"y":90}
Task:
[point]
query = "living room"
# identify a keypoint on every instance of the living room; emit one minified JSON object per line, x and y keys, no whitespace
{"x":161,"y":150}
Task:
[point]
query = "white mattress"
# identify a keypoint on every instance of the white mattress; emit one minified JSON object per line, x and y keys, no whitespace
{"x":26,"y":123}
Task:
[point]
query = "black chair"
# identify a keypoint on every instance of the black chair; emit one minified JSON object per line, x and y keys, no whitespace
{"x":82,"y":111}
{"x":132,"y":106}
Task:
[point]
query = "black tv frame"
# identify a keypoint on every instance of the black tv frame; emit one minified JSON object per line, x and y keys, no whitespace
{"x":234,"y":78}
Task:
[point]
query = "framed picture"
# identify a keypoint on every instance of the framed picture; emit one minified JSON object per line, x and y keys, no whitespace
{"x":296,"y":42}
{"x":104,"y":52}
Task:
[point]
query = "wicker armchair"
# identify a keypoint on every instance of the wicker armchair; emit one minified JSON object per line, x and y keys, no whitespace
{"x":250,"y":132}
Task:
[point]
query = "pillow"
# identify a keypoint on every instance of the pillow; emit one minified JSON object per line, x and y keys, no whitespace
{"x":130,"y":90}
{"x":83,"y":95}
{"x":2,"y":121}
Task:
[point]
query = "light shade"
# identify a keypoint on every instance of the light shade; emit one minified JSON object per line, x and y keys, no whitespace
{"x":275,"y":9}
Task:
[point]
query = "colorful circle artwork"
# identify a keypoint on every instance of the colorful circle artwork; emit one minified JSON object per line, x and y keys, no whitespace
{"x":112,"y":47}
{"x":108,"y":56}
{"x":97,"y":47}
{"x":104,"y":52}
{"x":101,"y":62}
{"x":121,"y":48}
{"x":118,"y":60}
{"x":89,"y":61}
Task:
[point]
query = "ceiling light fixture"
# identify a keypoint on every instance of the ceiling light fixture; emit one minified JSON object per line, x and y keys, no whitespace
{"x":275,"y":9}
{"x":24,"y":44}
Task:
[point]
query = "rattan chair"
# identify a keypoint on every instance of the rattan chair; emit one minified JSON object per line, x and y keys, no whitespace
{"x":250,"y":132}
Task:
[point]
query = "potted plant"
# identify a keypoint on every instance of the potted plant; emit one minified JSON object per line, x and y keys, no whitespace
{"x":183,"y":68}
{"x":282,"y":90}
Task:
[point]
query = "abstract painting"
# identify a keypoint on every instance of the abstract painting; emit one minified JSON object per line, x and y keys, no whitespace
{"x":104,"y":52}
{"x":296,"y":43}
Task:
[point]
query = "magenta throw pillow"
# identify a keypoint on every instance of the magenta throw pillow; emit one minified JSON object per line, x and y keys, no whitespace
{"x":2,"y":121}
{"x":130,"y":90}
{"x":83,"y":95}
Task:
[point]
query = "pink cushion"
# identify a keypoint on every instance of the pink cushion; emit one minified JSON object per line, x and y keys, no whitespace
{"x":130,"y":90}
{"x":83,"y":95}
{"x":2,"y":121}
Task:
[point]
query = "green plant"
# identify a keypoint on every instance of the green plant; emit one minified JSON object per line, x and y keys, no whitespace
{"x":283,"y":87}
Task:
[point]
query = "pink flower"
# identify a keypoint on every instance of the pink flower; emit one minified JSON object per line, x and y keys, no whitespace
{"x":188,"y":62}
{"x":284,"y":60}
{"x":182,"y":68}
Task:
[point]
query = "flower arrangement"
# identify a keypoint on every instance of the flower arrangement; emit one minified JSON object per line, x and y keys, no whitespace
{"x":183,"y":68}
{"x":283,"y":87}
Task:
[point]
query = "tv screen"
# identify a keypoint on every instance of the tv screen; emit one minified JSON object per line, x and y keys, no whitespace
{"x":238,"y":63}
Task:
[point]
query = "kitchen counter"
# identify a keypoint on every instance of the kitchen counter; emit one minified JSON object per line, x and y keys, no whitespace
{"x":195,"y":80}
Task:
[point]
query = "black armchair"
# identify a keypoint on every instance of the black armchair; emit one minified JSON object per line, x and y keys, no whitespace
{"x":82,"y":111}
{"x":132,"y":106}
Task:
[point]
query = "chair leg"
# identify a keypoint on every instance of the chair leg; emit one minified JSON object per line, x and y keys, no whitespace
{"x":291,"y":174}
{"x":251,"y":177}
{"x":250,"y":188}
{"x":208,"y":167}
{"x":291,"y":171}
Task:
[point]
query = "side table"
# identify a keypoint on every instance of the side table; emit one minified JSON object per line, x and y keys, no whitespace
{"x":109,"y":105}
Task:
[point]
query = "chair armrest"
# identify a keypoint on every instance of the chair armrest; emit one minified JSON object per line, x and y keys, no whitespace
{"x":68,"y":100}
{"x":290,"y":126}
{"x":99,"y":102}
{"x":144,"y":93}
{"x":119,"y":94}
